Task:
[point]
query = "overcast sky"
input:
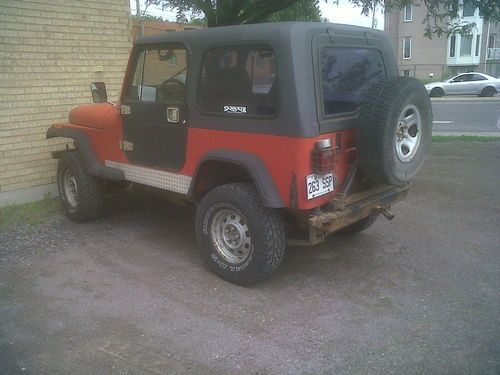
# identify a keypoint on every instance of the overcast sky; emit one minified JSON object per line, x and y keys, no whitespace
{"x":347,"y":13}
{"x":343,"y":13}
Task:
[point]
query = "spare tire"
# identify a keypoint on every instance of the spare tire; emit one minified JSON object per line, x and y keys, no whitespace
{"x":394,"y":131}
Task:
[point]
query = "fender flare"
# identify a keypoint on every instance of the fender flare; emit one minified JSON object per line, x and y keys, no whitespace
{"x":256,"y":169}
{"x":82,"y":142}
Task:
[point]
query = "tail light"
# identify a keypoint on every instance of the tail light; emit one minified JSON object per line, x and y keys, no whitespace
{"x":323,"y":156}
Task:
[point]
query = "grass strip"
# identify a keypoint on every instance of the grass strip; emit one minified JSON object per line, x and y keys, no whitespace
{"x":463,"y":138}
{"x":29,"y":213}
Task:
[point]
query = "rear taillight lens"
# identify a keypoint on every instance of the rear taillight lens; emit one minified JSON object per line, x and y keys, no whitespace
{"x":323,"y":156}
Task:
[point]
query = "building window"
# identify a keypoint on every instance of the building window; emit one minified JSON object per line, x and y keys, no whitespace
{"x":408,"y":13}
{"x":478,"y":45}
{"x":466,"y":45}
{"x":469,"y":9}
{"x":407,"y":47}
{"x":453,"y":42}
{"x":406,"y":73}
{"x":492,"y":40}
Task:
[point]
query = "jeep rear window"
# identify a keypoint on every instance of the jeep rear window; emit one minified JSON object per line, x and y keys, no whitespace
{"x":239,"y":80}
{"x":346,"y":75}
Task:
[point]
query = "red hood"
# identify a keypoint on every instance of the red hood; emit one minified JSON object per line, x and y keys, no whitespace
{"x":100,"y":116}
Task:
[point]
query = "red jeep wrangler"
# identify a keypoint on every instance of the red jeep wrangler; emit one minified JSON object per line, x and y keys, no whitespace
{"x":279,"y":133}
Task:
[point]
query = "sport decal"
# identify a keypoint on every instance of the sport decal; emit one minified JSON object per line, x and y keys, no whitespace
{"x":235,"y":109}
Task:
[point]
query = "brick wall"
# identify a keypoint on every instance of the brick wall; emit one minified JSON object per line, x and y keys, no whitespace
{"x":50,"y":51}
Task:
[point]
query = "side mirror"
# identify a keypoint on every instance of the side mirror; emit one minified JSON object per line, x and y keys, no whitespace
{"x":98,"y":90}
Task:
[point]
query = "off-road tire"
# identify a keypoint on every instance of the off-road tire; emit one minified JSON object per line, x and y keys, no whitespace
{"x":379,"y":121}
{"x":437,"y":92}
{"x":488,"y":91}
{"x":265,"y":227}
{"x":89,"y":195}
{"x":358,"y":226}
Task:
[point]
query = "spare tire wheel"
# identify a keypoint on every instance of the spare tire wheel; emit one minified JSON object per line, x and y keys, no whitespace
{"x":394,"y":131}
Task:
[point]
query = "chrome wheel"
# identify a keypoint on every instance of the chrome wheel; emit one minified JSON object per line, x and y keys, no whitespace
{"x":231,"y":236}
{"x":70,"y":188}
{"x":408,"y":133}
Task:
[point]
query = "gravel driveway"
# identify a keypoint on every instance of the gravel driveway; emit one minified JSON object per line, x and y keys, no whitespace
{"x":129,"y":294}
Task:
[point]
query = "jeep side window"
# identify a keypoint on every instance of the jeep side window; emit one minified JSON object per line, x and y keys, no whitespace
{"x":346,"y":75}
{"x":160,"y":76}
{"x":239,"y":80}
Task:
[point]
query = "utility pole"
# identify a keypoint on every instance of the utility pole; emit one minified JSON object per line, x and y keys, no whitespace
{"x":139,"y":17}
{"x":374,"y":20}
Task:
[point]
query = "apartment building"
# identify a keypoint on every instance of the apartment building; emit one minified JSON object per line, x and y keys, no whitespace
{"x":440,"y":57}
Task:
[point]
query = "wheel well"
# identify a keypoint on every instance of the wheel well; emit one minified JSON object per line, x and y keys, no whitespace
{"x":489,"y":87}
{"x":213,"y":173}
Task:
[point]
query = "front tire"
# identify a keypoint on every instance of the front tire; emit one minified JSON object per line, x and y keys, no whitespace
{"x":241,"y":241}
{"x":80,"y":192}
{"x":437,"y":92}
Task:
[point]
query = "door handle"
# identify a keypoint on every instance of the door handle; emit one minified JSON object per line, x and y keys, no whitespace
{"x":173,"y":115}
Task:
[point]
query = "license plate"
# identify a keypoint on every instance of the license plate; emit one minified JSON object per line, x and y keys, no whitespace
{"x":319,"y":184}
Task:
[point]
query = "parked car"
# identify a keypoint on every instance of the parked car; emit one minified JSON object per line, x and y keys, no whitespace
{"x":465,"y":84}
{"x":278,"y":133}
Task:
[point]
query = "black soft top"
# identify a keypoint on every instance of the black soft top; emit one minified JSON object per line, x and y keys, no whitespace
{"x":294,"y":43}
{"x":261,"y":31}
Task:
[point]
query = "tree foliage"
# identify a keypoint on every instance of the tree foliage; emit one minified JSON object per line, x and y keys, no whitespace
{"x":226,"y":12}
{"x":442,"y":15}
{"x":302,"y":10}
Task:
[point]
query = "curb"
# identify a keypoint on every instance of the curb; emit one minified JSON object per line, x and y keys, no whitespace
{"x":467,"y":134}
{"x":457,"y":98}
{"x":27,"y":195}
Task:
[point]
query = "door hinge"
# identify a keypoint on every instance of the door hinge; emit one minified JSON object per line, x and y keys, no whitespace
{"x":331,"y":34}
{"x":126,"y":145}
{"x":367,"y":39}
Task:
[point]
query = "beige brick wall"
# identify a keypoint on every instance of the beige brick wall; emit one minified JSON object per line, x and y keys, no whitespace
{"x":50,"y":51}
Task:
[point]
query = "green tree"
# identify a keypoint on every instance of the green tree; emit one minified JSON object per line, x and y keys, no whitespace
{"x":441,"y":18}
{"x":302,"y":10}
{"x":147,"y":17}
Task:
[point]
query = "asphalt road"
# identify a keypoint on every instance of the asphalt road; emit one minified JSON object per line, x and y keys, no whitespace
{"x":129,"y":294}
{"x":467,"y":115}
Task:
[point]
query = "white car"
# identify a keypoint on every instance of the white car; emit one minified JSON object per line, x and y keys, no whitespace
{"x":465,"y":84}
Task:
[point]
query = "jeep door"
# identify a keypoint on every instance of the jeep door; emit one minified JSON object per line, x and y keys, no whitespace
{"x":154,"y":109}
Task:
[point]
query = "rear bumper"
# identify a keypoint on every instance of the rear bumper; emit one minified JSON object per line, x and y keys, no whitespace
{"x":349,"y":209}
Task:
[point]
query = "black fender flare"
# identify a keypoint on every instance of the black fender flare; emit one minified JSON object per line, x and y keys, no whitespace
{"x":256,"y":169}
{"x":83,"y":144}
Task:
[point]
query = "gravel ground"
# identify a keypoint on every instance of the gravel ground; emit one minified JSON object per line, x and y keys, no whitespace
{"x":129,"y":294}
